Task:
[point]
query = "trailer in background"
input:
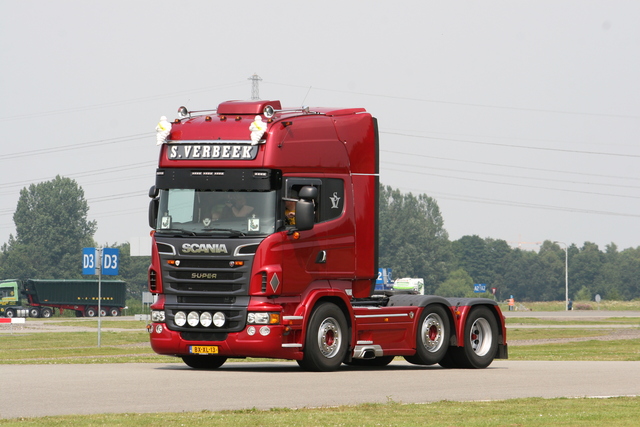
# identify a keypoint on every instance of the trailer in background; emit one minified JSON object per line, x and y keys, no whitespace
{"x":39,"y":298}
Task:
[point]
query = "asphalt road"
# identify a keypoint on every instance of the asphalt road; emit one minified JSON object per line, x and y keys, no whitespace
{"x":40,"y":390}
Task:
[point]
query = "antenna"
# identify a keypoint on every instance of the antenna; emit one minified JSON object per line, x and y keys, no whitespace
{"x":255,"y":90}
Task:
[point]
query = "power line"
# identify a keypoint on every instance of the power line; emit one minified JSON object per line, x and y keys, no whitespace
{"x":464,"y":104}
{"x":79,"y":174}
{"x":513,"y":146}
{"x":77,"y":146}
{"x":475,"y":162}
{"x":513,"y":176}
{"x":513,"y":184}
{"x":118,"y":103}
{"x":498,"y":202}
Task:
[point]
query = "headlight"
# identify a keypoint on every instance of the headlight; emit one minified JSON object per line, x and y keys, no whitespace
{"x":205,"y":319}
{"x":262,"y":318}
{"x":219,"y":319}
{"x":193,"y":319}
{"x":258,"y":318}
{"x":157,"y":316}
{"x":180,"y":318}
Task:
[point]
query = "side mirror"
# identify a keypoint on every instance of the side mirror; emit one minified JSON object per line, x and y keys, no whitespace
{"x":305,"y":207}
{"x":153,"y":192}
{"x":308,"y":193}
{"x":304,"y":215}
{"x":153,"y":212}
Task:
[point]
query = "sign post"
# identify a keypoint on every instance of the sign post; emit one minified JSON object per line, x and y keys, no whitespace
{"x":100,"y":261}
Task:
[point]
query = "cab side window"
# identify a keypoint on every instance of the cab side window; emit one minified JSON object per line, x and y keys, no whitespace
{"x":330,"y":201}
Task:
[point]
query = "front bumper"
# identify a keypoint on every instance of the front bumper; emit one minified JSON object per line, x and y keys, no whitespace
{"x":236,"y":344}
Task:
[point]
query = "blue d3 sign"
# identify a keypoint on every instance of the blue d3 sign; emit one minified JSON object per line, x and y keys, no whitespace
{"x":110,"y":261}
{"x":89,"y":260}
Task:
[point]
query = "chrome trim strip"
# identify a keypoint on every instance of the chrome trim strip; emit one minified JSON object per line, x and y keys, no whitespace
{"x":367,"y":316}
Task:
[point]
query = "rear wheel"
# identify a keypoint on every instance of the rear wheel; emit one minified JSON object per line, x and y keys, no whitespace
{"x":114,"y":311}
{"x":90,"y":312}
{"x":46,"y":312}
{"x":480,"y":340}
{"x":34,"y":312}
{"x":326,"y":342}
{"x":204,"y":362}
{"x":432,"y":338}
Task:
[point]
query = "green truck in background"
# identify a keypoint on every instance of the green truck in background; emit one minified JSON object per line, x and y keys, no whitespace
{"x":40,"y":298}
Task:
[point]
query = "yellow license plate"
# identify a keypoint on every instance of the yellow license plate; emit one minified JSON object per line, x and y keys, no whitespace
{"x":203,"y":349}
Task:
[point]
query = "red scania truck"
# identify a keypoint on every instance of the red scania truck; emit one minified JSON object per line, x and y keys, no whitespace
{"x":265,"y":244}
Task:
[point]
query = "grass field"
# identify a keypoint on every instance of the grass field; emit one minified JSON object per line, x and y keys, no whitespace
{"x":578,"y":305}
{"x":613,"y":412}
{"x":129,"y":343}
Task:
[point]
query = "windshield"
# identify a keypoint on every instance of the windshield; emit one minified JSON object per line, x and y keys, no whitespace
{"x":232,"y":213}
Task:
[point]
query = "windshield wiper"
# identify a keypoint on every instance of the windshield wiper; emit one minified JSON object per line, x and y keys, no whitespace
{"x":176,"y":231}
{"x":235,"y":233}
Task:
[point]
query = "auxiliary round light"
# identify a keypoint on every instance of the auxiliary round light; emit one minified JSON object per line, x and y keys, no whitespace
{"x":219,"y":319}
{"x":205,"y":319}
{"x":193,"y":318}
{"x":158,"y":329}
{"x":264,"y":331}
{"x":251,"y":331}
{"x":180,"y":318}
{"x":268,"y":111}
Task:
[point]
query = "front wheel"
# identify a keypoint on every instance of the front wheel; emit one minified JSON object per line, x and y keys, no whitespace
{"x":432,"y":337}
{"x":326,"y":342}
{"x":204,"y":362}
{"x":9,"y":312}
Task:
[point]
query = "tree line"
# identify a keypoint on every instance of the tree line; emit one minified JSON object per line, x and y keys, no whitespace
{"x":414,"y":243}
{"x":52,"y":228}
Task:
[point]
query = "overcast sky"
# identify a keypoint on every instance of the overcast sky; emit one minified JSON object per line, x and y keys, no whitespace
{"x":521,"y":118}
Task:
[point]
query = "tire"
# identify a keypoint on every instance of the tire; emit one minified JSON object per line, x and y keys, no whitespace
{"x":432,"y":336}
{"x":46,"y":312}
{"x":114,"y":311}
{"x":378,"y":362}
{"x":480,"y":340}
{"x":90,"y":312}
{"x":204,"y":362}
{"x":325,"y":346}
{"x":103,"y":312}
{"x":34,"y":312}
{"x":10,"y":312}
